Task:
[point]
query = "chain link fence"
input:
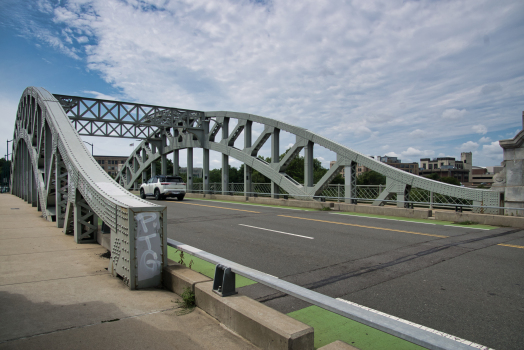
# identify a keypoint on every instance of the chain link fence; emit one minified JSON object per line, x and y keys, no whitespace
{"x":365,"y":193}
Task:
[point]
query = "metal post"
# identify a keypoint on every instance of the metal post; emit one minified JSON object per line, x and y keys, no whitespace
{"x":205,"y":165}
{"x":163,"y":156}
{"x":189,"y":169}
{"x":176,"y":162}
{"x":225,"y":157}
{"x":248,"y":171}
{"x":91,"y":146}
{"x":431,"y":200}
{"x":7,"y":156}
{"x":308,"y":164}
{"x":275,"y":158}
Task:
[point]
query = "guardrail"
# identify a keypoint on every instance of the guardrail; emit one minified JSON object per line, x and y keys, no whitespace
{"x":414,"y":333}
{"x":336,"y":192}
{"x":355,"y":200}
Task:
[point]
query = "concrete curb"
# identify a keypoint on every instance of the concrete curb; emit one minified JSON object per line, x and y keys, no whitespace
{"x":261,"y":325}
{"x":485,"y":219}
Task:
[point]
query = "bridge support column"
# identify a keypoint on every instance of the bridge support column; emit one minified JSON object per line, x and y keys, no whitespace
{"x":176,"y":162}
{"x":275,"y":158}
{"x":85,"y":221}
{"x":248,"y":171}
{"x":189,"y":169}
{"x":205,"y":174}
{"x":350,"y":183}
{"x":163,"y":156}
{"x":61,"y":190}
{"x":144,"y":159}
{"x":308,"y":164}
{"x":225,"y":158}
{"x":153,"y":169}
{"x":34,"y":192}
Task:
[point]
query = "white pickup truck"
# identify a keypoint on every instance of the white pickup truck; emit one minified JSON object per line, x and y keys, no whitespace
{"x":162,"y":186}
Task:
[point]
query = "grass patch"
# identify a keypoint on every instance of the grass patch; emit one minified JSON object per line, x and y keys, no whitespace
{"x":330,"y":327}
{"x":466,"y":223}
{"x":187,"y":304}
{"x":436,"y":222}
{"x":204,"y":267}
{"x":325,"y":209}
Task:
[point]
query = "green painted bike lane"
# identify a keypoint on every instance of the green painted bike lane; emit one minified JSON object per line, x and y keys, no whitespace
{"x":328,"y":326}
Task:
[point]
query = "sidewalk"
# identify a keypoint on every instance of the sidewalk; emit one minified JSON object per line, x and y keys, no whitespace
{"x":56,"y":294}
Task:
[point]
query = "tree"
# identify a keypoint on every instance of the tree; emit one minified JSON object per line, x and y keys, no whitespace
{"x":371,"y":178}
{"x":450,"y":180}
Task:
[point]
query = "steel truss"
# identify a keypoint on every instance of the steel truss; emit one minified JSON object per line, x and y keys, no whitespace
{"x":166,"y":130}
{"x":54,"y":172}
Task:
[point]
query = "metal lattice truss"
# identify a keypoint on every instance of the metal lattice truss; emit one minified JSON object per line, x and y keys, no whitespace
{"x":182,"y":129}
{"x":54,"y":172}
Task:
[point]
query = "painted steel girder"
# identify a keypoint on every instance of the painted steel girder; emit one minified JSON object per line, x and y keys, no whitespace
{"x":46,"y":143}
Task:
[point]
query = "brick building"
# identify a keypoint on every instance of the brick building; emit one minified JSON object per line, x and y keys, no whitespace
{"x":111,"y":164}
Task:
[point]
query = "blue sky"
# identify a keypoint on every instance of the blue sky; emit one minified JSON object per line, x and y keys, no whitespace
{"x":404,"y":78}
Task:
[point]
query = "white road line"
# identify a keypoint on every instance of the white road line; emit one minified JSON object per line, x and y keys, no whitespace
{"x":449,"y":336}
{"x":285,"y":233}
{"x":372,"y":217}
{"x":415,"y":222}
{"x":251,"y":205}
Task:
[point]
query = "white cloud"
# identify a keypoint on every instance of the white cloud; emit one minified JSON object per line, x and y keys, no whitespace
{"x":418,"y":133}
{"x":453,"y":113}
{"x":370,"y":80}
{"x":100,"y":95}
{"x":492,"y":151}
{"x":484,"y":139}
{"x":480,"y":129}
{"x":413,"y":152}
{"x":469,"y":146}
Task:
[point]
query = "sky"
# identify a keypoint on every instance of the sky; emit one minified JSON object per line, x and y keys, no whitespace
{"x":411,"y":79}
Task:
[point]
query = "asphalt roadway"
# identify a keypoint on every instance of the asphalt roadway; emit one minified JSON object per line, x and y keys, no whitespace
{"x":459,"y":280}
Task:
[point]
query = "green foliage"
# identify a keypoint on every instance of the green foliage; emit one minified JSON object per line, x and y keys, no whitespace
{"x":5,"y":167}
{"x":450,"y":180}
{"x":433,"y":176}
{"x":188,"y":302}
{"x":371,"y":178}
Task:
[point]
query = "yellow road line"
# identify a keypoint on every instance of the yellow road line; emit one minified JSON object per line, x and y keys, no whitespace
{"x":211,"y":206}
{"x":376,"y":228}
{"x":512,"y":246}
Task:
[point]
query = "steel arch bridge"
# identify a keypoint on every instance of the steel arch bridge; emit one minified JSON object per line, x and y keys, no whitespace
{"x":52,"y":169}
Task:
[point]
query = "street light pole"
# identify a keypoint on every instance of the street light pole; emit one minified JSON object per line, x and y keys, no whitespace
{"x":91,"y":146}
{"x":7,"y":156}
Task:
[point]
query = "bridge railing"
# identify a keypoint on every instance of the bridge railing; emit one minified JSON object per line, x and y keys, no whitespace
{"x":364,"y":193}
{"x":415,"y":333}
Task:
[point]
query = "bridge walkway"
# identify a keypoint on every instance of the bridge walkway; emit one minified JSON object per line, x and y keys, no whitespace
{"x":56,"y":294}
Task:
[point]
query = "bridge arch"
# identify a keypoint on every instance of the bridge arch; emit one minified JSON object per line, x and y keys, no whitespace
{"x":52,"y":170}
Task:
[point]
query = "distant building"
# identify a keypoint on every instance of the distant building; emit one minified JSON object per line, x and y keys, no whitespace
{"x":397,"y":163}
{"x":393,"y":161}
{"x":111,"y":164}
{"x":462,"y":169}
{"x":197,"y":172}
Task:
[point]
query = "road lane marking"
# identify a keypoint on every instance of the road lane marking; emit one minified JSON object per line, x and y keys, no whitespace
{"x":416,"y":222}
{"x":285,"y":233}
{"x":512,"y":245}
{"x":211,"y":206}
{"x":372,"y":227}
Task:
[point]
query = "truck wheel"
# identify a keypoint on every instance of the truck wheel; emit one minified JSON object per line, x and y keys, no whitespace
{"x":142,"y":194}
{"x":157,"y":195}
{"x":180,"y":198}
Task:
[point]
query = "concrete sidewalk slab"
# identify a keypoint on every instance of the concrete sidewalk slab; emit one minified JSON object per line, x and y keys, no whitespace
{"x":57,"y":294}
